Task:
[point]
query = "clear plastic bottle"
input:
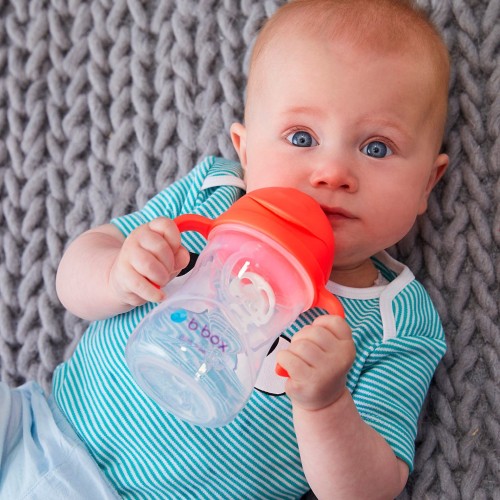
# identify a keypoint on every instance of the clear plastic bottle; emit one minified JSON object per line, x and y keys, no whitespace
{"x":198,"y":353}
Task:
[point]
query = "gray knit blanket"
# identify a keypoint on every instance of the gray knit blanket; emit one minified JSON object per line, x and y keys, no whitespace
{"x":104,"y":102}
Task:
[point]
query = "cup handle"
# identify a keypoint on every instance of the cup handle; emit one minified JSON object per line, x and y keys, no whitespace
{"x":194,"y":222}
{"x":326,"y":300}
{"x":191,"y":222}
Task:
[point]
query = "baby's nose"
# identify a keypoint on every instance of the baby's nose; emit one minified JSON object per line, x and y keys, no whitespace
{"x":334,"y":174}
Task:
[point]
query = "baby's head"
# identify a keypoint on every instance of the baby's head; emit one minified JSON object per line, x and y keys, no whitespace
{"x":346,"y":101}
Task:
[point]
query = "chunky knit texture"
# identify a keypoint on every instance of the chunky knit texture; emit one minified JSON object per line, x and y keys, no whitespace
{"x":104,"y":102}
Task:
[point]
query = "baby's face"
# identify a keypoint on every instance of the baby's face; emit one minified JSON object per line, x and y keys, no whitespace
{"x":359,"y":133}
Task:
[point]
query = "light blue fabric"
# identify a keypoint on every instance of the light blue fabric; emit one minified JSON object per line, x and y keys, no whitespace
{"x":40,"y":455}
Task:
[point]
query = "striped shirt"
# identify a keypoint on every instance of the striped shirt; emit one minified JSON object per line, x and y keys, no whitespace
{"x":148,"y":453}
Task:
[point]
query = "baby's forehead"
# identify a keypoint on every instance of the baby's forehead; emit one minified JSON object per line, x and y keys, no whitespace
{"x":379,"y":28}
{"x":428,"y":67}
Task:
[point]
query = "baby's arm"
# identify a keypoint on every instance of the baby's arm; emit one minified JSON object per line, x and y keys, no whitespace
{"x":342,"y":456}
{"x":102,"y":273}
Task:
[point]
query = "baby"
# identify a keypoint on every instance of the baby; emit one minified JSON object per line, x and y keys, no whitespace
{"x":346,"y":101}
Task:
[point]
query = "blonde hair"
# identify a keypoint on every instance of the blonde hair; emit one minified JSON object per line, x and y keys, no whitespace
{"x":383,"y":26}
{"x":389,"y":22}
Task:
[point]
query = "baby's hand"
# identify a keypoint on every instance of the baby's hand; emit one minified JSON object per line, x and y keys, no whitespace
{"x":317,"y":362}
{"x":149,"y":258}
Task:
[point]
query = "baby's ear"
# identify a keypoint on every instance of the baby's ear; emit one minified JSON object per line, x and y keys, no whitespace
{"x":441,"y":164}
{"x":239,"y":138}
{"x":438,"y":170}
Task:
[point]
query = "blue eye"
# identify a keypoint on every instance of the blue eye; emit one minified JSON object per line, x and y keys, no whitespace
{"x":377,"y":149}
{"x":302,"y":139}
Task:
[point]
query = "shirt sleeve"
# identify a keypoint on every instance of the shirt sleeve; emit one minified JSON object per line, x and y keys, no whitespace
{"x":189,"y":195}
{"x":167,"y":203}
{"x":397,"y":373}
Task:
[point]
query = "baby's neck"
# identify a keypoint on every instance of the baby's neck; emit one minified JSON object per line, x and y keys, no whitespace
{"x":360,"y":276}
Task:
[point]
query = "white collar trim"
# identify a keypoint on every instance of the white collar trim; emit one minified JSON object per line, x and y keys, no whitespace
{"x":223,"y":180}
{"x":385,"y":293}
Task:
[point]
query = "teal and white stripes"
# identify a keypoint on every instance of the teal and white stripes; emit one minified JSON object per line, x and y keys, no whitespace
{"x":146,"y":453}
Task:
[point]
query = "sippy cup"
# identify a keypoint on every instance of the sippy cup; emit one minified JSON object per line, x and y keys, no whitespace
{"x":267,"y":259}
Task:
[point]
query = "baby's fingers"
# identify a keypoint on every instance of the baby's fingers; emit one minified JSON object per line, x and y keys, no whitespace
{"x":168,"y":248}
{"x":291,"y":364}
{"x":168,"y":230}
{"x":135,"y":289}
{"x":334,"y":325}
{"x":148,"y":266}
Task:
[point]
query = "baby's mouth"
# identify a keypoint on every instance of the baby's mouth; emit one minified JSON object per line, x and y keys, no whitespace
{"x":337,"y":214}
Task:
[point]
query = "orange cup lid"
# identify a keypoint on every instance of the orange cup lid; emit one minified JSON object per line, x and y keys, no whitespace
{"x":291,"y":218}
{"x":294,"y":220}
